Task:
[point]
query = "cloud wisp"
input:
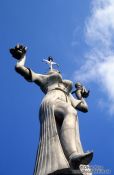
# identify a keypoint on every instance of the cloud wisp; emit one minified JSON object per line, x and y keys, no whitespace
{"x":99,"y":36}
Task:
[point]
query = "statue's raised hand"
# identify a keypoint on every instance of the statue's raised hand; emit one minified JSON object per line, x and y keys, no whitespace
{"x":18,"y":51}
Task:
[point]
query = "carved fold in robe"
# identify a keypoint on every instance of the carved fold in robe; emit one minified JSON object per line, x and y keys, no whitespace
{"x":50,"y":156}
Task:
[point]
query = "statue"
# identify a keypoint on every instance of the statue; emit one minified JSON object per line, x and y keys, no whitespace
{"x":60,"y":150}
{"x":50,"y":62}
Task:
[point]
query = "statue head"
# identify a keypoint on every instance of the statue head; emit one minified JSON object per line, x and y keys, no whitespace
{"x":78,"y":85}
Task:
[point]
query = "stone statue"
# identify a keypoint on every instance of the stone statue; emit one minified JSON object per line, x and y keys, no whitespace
{"x":50,"y":62}
{"x":60,"y":150}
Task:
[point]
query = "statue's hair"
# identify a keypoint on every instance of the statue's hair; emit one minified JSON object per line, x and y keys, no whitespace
{"x":54,"y":70}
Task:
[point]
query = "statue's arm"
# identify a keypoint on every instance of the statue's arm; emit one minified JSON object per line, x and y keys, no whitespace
{"x":21,"y":69}
{"x":79,"y":103}
{"x":83,"y":105}
{"x":27,"y":73}
{"x":19,"y":53}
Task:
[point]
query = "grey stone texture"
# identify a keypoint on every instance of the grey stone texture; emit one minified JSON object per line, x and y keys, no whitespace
{"x":60,"y":150}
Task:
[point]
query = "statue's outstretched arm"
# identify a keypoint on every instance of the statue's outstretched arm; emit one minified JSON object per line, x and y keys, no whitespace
{"x":19,"y":53}
{"x":20,"y":67}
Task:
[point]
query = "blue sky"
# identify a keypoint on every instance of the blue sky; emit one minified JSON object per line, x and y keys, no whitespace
{"x":79,"y":35}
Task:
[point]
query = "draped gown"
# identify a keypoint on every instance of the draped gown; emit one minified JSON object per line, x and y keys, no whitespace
{"x":50,"y":156}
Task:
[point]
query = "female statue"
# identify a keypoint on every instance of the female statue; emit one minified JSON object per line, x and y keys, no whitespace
{"x":59,"y":146}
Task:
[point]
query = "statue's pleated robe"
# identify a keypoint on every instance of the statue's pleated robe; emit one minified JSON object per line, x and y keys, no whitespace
{"x":50,"y":156}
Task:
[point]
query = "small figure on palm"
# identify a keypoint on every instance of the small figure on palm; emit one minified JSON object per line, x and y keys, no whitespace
{"x":81,"y":91}
{"x":18,"y":51}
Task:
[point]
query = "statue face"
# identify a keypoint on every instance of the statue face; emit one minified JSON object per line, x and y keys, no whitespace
{"x":78,"y":85}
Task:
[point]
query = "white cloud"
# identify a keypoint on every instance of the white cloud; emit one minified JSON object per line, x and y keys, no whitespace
{"x":99,"y":35}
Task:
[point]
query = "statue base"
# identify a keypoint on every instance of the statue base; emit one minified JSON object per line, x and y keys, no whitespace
{"x":67,"y":171}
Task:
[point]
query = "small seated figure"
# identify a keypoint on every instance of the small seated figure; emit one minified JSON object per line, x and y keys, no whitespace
{"x":80,"y":91}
